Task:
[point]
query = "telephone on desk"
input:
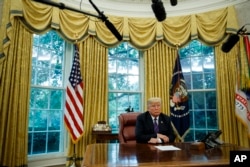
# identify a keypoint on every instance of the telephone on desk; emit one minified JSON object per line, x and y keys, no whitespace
{"x":211,"y":140}
{"x":102,"y":126}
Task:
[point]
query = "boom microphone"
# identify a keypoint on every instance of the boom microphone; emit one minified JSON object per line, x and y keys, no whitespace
{"x":232,"y":40}
{"x":229,"y":44}
{"x":173,"y":2}
{"x":159,"y":10}
{"x":112,"y":28}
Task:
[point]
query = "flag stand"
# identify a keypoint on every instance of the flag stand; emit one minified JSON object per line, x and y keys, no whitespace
{"x":74,"y":158}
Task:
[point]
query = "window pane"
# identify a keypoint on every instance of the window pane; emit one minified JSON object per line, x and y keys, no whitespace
{"x":40,"y":120}
{"x":122,"y":101}
{"x":56,"y":78}
{"x":190,"y":136}
{"x":209,"y":81}
{"x":39,"y":98}
{"x":211,"y":100}
{"x":197,"y":64}
{"x":53,"y":141}
{"x":133,"y":83}
{"x":54,"y":119}
{"x":198,"y":100}
{"x":39,"y":143}
{"x":112,"y":82}
{"x":186,"y":65}
{"x":133,"y":66}
{"x":199,"y":117}
{"x":198,"y":78}
{"x":188,"y":80}
{"x":112,"y":66}
{"x":42,"y":77}
{"x":122,"y":67}
{"x":124,"y":82}
{"x":200,"y":134}
{"x":208,"y":64}
{"x":56,"y":99}
{"x":30,"y":139}
{"x":134,"y":100}
{"x":211,"y":122}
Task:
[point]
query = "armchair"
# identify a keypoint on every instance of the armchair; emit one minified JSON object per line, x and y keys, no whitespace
{"x":127,"y":123}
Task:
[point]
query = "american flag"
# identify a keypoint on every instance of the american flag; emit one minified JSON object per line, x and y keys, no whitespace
{"x":179,"y":106}
{"x":73,"y":115}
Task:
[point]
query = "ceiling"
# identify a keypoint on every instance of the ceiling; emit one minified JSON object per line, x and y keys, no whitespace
{"x":142,"y":8}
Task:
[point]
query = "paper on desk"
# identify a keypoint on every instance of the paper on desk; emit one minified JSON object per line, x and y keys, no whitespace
{"x":167,"y":148}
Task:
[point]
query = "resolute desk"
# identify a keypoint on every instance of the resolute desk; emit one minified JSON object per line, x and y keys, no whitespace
{"x":147,"y":155}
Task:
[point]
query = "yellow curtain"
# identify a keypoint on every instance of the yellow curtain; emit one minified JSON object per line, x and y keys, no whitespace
{"x":157,"y":39}
{"x":15,"y":93}
{"x":159,"y":62}
{"x":226,"y":83}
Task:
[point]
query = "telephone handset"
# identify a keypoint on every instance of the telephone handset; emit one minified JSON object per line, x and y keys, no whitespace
{"x":211,"y":140}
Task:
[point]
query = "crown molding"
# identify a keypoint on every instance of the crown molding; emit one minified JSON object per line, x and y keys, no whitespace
{"x":142,"y":8}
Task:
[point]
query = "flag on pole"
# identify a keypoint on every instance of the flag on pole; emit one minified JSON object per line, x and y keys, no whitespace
{"x":73,"y":115}
{"x":179,"y":108}
{"x":242,"y":94}
{"x":242,"y":109}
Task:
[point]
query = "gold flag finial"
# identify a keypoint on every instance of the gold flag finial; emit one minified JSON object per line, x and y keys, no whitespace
{"x":177,"y":45}
{"x":76,"y":37}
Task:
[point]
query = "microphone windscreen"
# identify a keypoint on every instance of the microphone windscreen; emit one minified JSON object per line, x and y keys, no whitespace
{"x":159,"y":10}
{"x":173,"y":2}
{"x":229,"y":44}
{"x":114,"y":31}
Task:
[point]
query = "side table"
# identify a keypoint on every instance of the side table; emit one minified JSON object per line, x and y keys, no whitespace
{"x":106,"y":136}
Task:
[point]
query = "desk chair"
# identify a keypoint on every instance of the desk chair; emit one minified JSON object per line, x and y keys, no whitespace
{"x":127,"y":123}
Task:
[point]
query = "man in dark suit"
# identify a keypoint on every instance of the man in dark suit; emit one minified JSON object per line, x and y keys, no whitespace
{"x":153,"y":126}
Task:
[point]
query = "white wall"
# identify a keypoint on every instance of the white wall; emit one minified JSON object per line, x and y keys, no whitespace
{"x":243,"y":14}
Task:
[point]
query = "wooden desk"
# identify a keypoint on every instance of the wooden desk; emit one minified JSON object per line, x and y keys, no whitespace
{"x":146,"y":155}
{"x":105,"y":137}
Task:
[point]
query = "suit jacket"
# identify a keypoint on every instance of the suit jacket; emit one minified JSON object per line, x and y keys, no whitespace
{"x":144,"y":129}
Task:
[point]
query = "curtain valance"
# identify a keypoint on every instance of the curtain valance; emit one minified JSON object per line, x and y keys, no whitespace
{"x":210,"y":27}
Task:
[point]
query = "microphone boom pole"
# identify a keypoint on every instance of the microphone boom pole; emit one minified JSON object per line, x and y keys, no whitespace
{"x":110,"y":26}
{"x":63,"y":6}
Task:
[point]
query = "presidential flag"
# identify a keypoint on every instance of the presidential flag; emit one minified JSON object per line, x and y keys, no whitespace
{"x":73,"y":115}
{"x":179,"y":108}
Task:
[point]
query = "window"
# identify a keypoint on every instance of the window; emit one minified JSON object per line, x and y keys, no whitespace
{"x":123,"y":82}
{"x":46,"y":130}
{"x":197,"y":61}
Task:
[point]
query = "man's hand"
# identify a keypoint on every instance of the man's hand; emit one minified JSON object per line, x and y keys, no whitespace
{"x":153,"y":141}
{"x":163,"y":137}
